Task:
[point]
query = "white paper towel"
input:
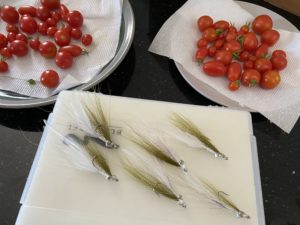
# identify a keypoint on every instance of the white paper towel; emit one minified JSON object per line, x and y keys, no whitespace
{"x":102,"y":19}
{"x":177,"y":40}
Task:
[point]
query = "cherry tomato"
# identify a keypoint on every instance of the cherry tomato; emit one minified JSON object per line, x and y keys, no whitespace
{"x":51,"y":31}
{"x":201,"y":54}
{"x":9,"y":14}
{"x":55,"y":15}
{"x":51,"y":22}
{"x":27,"y":10}
{"x":230,"y":36}
{"x":49,"y":78}
{"x":270,"y":79}
{"x":18,"y":48}
{"x":262,"y":65}
{"x":47,"y":49}
{"x":43,"y":13}
{"x":262,"y":51}
{"x":204,"y":22}
{"x":3,"y":66}
{"x":28,"y":24}
{"x":64,"y":11}
{"x":51,"y":4}
{"x":42,"y":28}
{"x":252,"y":58}
{"x":3,"y":41}
{"x":262,"y":23}
{"x":232,"y":29}
{"x":11,"y":36}
{"x":250,"y":42}
{"x":202,"y":43}
{"x":244,"y":56}
{"x":68,"y":28}
{"x":270,"y":37}
{"x":248,"y":65}
{"x":6,"y":53}
{"x":62,"y":37}
{"x":212,"y":51}
{"x":219,"y":43}
{"x":234,"y":71}
{"x":223,"y":56}
{"x":64,"y":60}
{"x":34,"y":44}
{"x":21,"y":37}
{"x":87,"y":39}
{"x":234,"y":85}
{"x":250,"y":77}
{"x":76,"y":33}
{"x":232,"y":46}
{"x":74,"y":50}
{"x":214,"y":68}
{"x":75,"y":18}
{"x":209,"y":34}
{"x":244,"y":29}
{"x":12,"y":28}
{"x":279,"y":62}
{"x":279,"y":53}
{"x":221,"y":24}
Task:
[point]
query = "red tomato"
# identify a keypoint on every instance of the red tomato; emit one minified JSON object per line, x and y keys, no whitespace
{"x":250,"y":77}
{"x":221,"y":24}
{"x":212,"y":51}
{"x":27,"y":10}
{"x":279,"y":53}
{"x":262,"y":51}
{"x":244,"y":56}
{"x":279,"y":62}
{"x":64,"y":60}
{"x":28,"y":24}
{"x":232,"y":46}
{"x":202,"y":43}
{"x":250,"y":42}
{"x":270,"y":37}
{"x":230,"y":36}
{"x":3,"y":41}
{"x":75,"y":18}
{"x":55,"y":15}
{"x":232,"y":29}
{"x":11,"y":36}
{"x":252,"y":58}
{"x":42,"y":28}
{"x":234,"y":85}
{"x":9,"y":14}
{"x":49,"y":78}
{"x":51,"y":4}
{"x":76,"y":33}
{"x":51,"y":22}
{"x":214,"y":68}
{"x":262,"y":65}
{"x":209,"y":34}
{"x":34,"y":44}
{"x":219,"y":43}
{"x":43,"y":13}
{"x":21,"y":37}
{"x":223,"y":56}
{"x":6,"y":53}
{"x":18,"y":48}
{"x":3,"y":66}
{"x":262,"y":23}
{"x":62,"y":37}
{"x":244,"y":29}
{"x":48,"y":49}
{"x":204,"y":22}
{"x":87,"y":39}
{"x":270,"y":79}
{"x":64,"y":11}
{"x":201,"y":54}
{"x":248,"y":65}
{"x":74,"y":50}
{"x":51,"y":31}
{"x":12,"y":28}
{"x":234,"y":71}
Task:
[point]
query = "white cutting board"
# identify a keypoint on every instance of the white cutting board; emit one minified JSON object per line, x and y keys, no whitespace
{"x":59,"y":193}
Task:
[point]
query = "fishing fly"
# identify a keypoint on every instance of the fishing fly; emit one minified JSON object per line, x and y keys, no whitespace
{"x":193,"y":137}
{"x":150,"y":174}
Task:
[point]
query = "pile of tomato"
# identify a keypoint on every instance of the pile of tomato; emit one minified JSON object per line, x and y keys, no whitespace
{"x":24,"y":26}
{"x":242,"y":55}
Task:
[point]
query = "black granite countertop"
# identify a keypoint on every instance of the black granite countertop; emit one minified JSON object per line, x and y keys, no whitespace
{"x":148,"y":76}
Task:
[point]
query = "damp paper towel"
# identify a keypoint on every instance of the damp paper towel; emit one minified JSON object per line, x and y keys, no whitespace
{"x":102,"y":19}
{"x":177,"y":40}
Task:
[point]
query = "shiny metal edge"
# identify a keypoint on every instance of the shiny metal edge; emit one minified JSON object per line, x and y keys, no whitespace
{"x":129,"y":25}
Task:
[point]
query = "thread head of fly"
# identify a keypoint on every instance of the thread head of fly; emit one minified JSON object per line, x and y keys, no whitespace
{"x":109,"y":144}
{"x":182,"y":165}
{"x":113,"y":178}
{"x":221,"y":156}
{"x":180,"y":201}
{"x":241,"y":214}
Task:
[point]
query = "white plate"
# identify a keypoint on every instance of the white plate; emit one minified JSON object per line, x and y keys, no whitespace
{"x":210,"y":93}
